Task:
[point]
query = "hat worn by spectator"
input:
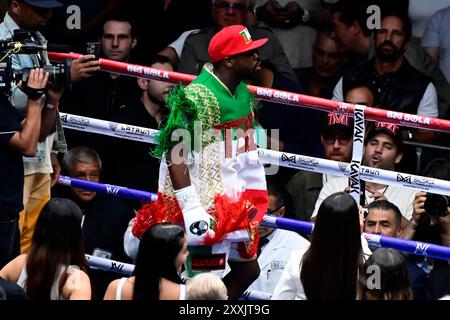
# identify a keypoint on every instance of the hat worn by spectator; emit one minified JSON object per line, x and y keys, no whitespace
{"x":337,"y":122}
{"x":49,"y":4}
{"x":389,"y":129}
{"x":232,"y":40}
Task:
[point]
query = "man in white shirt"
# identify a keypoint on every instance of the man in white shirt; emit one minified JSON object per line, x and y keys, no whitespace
{"x":383,"y":149}
{"x":275,"y":248}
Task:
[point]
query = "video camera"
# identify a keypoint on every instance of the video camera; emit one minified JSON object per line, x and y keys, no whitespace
{"x":22,"y":43}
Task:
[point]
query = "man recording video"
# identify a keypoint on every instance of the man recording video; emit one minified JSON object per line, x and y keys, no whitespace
{"x":17,"y":139}
{"x":32,"y":15}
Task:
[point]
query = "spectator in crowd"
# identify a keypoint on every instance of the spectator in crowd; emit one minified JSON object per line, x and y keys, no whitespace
{"x":383,"y":149}
{"x":312,"y":275}
{"x":397,"y":85}
{"x":99,"y":94}
{"x":349,"y":21}
{"x":383,"y":217}
{"x":385,"y":277}
{"x":148,"y":110}
{"x":55,"y":267}
{"x":33,"y":15}
{"x":275,"y":247}
{"x":226,"y":13}
{"x":328,"y":59}
{"x":105,"y":218}
{"x":155,"y":279}
{"x":17,"y":138}
{"x":304,"y":187}
{"x":436,"y":40}
{"x":206,"y":286}
{"x":294,"y":22}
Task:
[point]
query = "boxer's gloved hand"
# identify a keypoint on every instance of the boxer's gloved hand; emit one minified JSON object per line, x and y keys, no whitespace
{"x":198,"y":223}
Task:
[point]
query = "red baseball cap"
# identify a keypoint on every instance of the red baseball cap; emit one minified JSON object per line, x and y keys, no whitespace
{"x":232,"y":40}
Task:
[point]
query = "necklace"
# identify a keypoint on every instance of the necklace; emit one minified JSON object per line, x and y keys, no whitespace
{"x":365,"y":197}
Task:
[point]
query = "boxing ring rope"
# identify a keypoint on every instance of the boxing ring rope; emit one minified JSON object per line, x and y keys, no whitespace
{"x":273,"y":95}
{"x":109,"y":265}
{"x":413,"y":247}
{"x":283,"y":159}
{"x":269,"y":156}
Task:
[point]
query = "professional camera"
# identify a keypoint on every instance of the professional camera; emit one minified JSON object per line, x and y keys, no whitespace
{"x":436,"y":205}
{"x":22,"y":43}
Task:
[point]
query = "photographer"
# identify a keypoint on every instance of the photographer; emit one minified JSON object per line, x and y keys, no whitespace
{"x":431,"y":211}
{"x":431,"y":223}
{"x":32,"y":15}
{"x":17,"y":139}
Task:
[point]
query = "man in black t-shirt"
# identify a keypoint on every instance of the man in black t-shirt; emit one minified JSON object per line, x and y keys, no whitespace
{"x":105,"y":218}
{"x":16,"y":140}
{"x":130,"y":163}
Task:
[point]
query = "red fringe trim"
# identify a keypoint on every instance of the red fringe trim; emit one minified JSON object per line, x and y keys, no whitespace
{"x":229,"y":216}
{"x":165,"y":209}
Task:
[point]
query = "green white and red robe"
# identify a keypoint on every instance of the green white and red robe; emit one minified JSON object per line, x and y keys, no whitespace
{"x":226,"y":171}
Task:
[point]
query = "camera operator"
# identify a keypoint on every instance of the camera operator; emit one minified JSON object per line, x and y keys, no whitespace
{"x":17,"y":139}
{"x":32,"y":15}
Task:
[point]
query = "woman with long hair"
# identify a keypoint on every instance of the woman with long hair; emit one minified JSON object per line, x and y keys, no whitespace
{"x":328,"y":269}
{"x":55,"y":268}
{"x":156,"y":276}
{"x":389,"y":277}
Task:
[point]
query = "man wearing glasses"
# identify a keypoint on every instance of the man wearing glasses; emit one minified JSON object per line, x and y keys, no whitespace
{"x":304,"y":187}
{"x":226,"y":13}
{"x":336,"y":137}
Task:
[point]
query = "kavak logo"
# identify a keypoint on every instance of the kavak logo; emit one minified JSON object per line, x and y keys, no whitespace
{"x":359,"y":126}
{"x":113,"y":126}
{"x":286,"y":158}
{"x":406,"y":179}
{"x":354,"y":176}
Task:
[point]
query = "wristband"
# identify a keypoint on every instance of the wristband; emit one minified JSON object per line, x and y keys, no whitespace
{"x":52,"y":106}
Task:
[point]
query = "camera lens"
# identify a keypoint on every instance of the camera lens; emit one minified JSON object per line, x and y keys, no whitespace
{"x":436,"y":205}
